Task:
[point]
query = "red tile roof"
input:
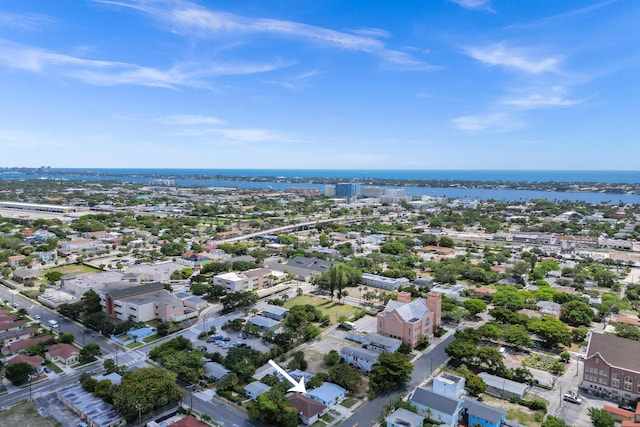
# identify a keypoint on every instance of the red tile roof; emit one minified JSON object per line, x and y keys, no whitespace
{"x":35,"y":361}
{"x":20,"y":345}
{"x":63,"y":351}
{"x":306,"y":405}
{"x":189,"y":421}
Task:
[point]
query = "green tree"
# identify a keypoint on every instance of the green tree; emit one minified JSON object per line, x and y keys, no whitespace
{"x":446,"y":242}
{"x":345,"y":376}
{"x":600,"y":417}
{"x":474,"y":306}
{"x":391,"y":370}
{"x":188,"y":366}
{"x":163,"y":329}
{"x":552,"y":421}
{"x":576,"y":313}
{"x":67,"y":338}
{"x":173,"y":248}
{"x":144,"y":390}
{"x":19,"y":373}
{"x":89,"y":352}
{"x":552,"y":330}
{"x":331,"y":358}
{"x":91,"y":302}
{"x":273,"y":408}
{"x":580,"y":333}
{"x":517,"y":336}
{"x":508,"y":298}
{"x":53,"y":276}
{"x":227,"y":382}
{"x":474,"y":384}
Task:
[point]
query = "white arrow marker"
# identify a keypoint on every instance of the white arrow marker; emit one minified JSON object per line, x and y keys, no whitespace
{"x":299,"y":387}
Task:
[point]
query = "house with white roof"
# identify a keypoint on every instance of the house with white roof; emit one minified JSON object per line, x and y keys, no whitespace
{"x":360,"y":358}
{"x":328,"y":394}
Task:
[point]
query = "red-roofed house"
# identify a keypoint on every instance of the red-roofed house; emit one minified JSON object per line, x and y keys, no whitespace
{"x":14,"y":261}
{"x":17,"y":346}
{"x":189,"y":421}
{"x":12,"y":326}
{"x":308,"y":409}
{"x":35,"y":361}
{"x":64,"y":353}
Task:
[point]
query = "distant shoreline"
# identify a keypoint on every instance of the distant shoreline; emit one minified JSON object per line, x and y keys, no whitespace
{"x":280,"y":176}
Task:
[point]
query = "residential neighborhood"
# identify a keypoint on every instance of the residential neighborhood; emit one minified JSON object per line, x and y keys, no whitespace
{"x":489,"y":313}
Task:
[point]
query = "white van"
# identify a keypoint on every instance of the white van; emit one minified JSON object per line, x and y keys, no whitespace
{"x":53,"y":323}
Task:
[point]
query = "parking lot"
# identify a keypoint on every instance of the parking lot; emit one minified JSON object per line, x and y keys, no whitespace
{"x":231,"y":339}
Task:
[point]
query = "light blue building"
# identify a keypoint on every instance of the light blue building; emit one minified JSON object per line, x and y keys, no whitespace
{"x":481,"y":414}
{"x":328,"y":394}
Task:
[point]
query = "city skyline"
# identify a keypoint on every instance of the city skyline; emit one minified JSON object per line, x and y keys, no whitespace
{"x":449,"y":84}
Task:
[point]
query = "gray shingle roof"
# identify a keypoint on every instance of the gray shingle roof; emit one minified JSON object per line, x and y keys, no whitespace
{"x":409,"y":311}
{"x":382,"y":340}
{"x":615,"y":350}
{"x":125,"y":292}
{"x":503,"y":383}
{"x":429,"y":399}
{"x":361,"y":353}
{"x":402,"y":417}
{"x":482,"y":410}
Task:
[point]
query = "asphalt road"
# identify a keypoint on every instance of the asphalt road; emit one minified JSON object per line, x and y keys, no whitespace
{"x":221,"y":413}
{"x":65,"y":325}
{"x":369,"y":413}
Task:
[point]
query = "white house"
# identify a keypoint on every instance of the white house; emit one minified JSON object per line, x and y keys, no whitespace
{"x":360,"y":358}
{"x":444,"y":409}
{"x":328,"y":394}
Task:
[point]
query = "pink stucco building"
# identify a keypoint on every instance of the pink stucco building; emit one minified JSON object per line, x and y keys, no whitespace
{"x":409,"y":320}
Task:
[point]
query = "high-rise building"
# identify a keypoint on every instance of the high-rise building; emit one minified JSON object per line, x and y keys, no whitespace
{"x":372,"y":191}
{"x":350,"y":190}
{"x":330,"y":190}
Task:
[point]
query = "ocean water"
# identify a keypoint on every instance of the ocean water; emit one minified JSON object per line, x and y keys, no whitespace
{"x":280,"y":180}
{"x":610,"y":177}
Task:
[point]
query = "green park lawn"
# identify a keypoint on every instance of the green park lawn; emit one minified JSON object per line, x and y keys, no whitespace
{"x":73,"y":269}
{"x":333,"y":309}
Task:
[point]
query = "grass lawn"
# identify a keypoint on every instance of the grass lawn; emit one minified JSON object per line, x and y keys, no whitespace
{"x":152,"y":338}
{"x":348,"y":403}
{"x":54,"y":367}
{"x":333,"y":309}
{"x":73,"y":269}
{"x":522,"y":417}
{"x":134,"y":344}
{"x":319,"y":423}
{"x":25,"y":415}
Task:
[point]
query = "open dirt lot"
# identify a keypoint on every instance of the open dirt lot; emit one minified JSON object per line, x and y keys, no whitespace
{"x":25,"y":415}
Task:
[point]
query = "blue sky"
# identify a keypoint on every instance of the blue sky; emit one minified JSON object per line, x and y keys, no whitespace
{"x":433,"y":84}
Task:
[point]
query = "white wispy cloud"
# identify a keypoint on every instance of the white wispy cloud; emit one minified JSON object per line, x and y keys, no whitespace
{"x":190,"y":120}
{"x":295,"y":82}
{"x":496,"y":122}
{"x":236,"y":135}
{"x":556,"y":97}
{"x":111,"y":73}
{"x":26,"y":139}
{"x":500,"y":54}
{"x":568,"y":14}
{"x":474,"y":4}
{"x":193,"y":19}
{"x":25,"y":22}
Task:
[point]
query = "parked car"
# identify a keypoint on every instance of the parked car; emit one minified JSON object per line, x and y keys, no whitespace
{"x":572,"y":398}
{"x":226,"y":339}
{"x":47,"y":369}
{"x":37,"y":317}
